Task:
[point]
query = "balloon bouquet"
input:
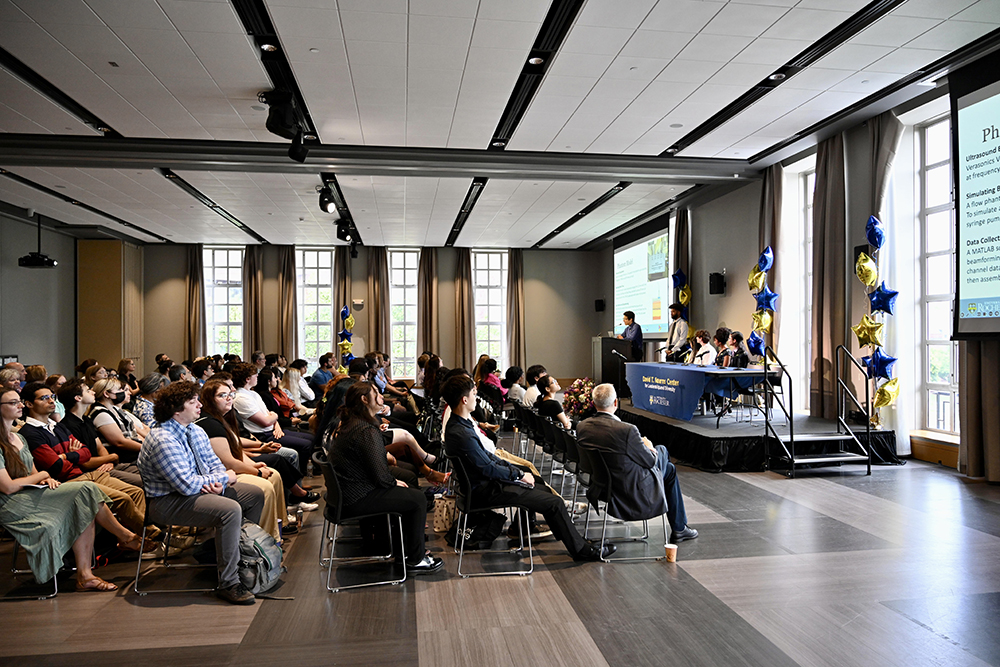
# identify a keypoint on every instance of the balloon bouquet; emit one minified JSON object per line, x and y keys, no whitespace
{"x":684,"y":295}
{"x":345,"y":343}
{"x":870,"y":330}
{"x":763,"y":318}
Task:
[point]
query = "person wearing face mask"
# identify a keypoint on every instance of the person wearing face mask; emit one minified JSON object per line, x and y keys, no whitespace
{"x":121,"y":431}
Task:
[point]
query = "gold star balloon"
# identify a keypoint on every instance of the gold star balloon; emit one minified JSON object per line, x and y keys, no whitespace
{"x":349,"y":322}
{"x":886,"y":394}
{"x":875,"y":421}
{"x":342,"y":369}
{"x":762,"y":321}
{"x":867,"y":270}
{"x":345,"y":346}
{"x":868,"y":331}
{"x":756,"y":279}
{"x":685,"y":295}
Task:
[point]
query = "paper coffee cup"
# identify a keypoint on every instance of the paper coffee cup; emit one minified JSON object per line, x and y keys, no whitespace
{"x":671,"y":552}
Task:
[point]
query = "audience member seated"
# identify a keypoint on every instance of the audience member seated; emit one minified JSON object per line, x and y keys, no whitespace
{"x":490,"y":387}
{"x":179,"y":373}
{"x":418,"y":380}
{"x":257,"y":358}
{"x":126,"y":373}
{"x":495,"y":481}
{"x":18,"y":368}
{"x":10,"y":378}
{"x":121,"y":431}
{"x":81,"y":368}
{"x":95,"y":373}
{"x":58,"y":453}
{"x":532,"y":375}
{"x":293,"y":383}
{"x":704,"y":354}
{"x":323,"y":374}
{"x":35,"y":373}
{"x":202,"y":369}
{"x":262,"y":422}
{"x":634,"y":464}
{"x":50,"y":521}
{"x":77,"y":398}
{"x":55,"y":382}
{"x":477,"y":370}
{"x":359,"y":461}
{"x":187,"y":485}
{"x":432,"y":380}
{"x":143,"y":406}
{"x":546,"y":403}
{"x":512,"y":383}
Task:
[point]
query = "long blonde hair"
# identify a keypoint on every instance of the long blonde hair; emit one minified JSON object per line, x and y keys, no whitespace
{"x":12,"y":458}
{"x":290,"y":383}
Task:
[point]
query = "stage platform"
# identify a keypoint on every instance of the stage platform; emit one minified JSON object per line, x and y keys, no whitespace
{"x":740,"y":446}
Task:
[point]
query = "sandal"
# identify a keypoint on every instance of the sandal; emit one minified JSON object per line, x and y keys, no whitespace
{"x":96,"y":585}
{"x":133,"y":544}
{"x":437,"y":478}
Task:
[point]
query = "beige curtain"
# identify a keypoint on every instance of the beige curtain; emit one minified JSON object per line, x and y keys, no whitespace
{"x":978,"y":388}
{"x":885,"y":132}
{"x":194,"y":339}
{"x":341,"y":281}
{"x":829,"y":289}
{"x":253,"y":299}
{"x":465,"y":306}
{"x":428,"y":329}
{"x":515,"y":308}
{"x":288,"y":324}
{"x":378,"y":299}
{"x":768,"y":235}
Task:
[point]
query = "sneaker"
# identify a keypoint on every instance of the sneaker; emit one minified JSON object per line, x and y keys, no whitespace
{"x":235,"y":594}
{"x":688,"y":533}
{"x":427,"y":565}
{"x":291,"y":520}
{"x":576,"y":508}
{"x":155,"y":554}
{"x":307,"y":507}
{"x":310,"y":497}
{"x":540,"y":531}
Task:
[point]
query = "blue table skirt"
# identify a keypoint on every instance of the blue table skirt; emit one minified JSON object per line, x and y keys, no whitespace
{"x":673,"y":390}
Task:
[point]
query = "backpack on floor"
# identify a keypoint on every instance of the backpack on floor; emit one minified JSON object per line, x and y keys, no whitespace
{"x":260,"y":559}
{"x":481,"y":530}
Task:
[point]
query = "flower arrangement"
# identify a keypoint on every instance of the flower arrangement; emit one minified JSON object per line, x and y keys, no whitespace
{"x":577,"y":399}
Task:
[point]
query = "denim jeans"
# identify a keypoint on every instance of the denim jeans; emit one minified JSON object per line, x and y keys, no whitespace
{"x":672,"y":489}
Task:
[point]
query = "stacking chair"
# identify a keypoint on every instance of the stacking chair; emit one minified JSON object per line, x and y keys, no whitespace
{"x":549,"y":428}
{"x":571,"y":463}
{"x":332,"y":517}
{"x":605,"y":485}
{"x":15,"y":571}
{"x":465,"y":506}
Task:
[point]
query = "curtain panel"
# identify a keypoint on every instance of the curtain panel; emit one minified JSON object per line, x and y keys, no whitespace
{"x":829,"y":289}
{"x":341,"y":281}
{"x":428,"y":321}
{"x":465,"y":321}
{"x":378,"y":299}
{"x":768,"y":234}
{"x":516,"y":344}
{"x":194,"y":338}
{"x":288,"y":320}
{"x":253,"y":300}
{"x":979,"y":386}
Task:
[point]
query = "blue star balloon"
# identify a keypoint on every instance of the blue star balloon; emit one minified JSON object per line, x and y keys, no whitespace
{"x":883,"y":300}
{"x":684,"y":313}
{"x":345,"y":335}
{"x":345,"y":313}
{"x":755,"y":343}
{"x":348,"y":358}
{"x":879,"y":364}
{"x":766,"y":298}
{"x":874,"y":232}
{"x":766,"y":260}
{"x":680,"y":280}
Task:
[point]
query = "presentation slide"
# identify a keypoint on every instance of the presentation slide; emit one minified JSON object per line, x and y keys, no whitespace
{"x":977,"y":270}
{"x":643,"y":285}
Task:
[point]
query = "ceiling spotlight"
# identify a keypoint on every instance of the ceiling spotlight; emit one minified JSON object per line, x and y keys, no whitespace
{"x":310,"y":137}
{"x":536,"y":61}
{"x":777,"y":76}
{"x":672,"y":149}
{"x":298,"y":151}
{"x":344,"y":231}
{"x":499,"y":144}
{"x":269,"y":48}
{"x":102,"y":128}
{"x":326,"y":201}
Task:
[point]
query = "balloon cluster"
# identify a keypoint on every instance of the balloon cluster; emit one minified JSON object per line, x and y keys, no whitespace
{"x":345,"y":343}
{"x":870,"y":330}
{"x":763,"y":318}
{"x":684,"y":295}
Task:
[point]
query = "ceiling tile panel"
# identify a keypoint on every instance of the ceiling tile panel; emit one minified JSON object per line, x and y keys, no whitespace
{"x":681,"y":15}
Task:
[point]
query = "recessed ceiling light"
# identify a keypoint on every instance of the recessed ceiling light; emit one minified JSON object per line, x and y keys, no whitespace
{"x":257,"y":107}
{"x":581,"y":199}
{"x":63,"y":187}
{"x":310,"y":137}
{"x":671,"y":150}
{"x":270,"y":48}
{"x":499,"y":144}
{"x":314,"y":50}
{"x":113,"y":63}
{"x":536,"y":61}
{"x":676,"y":125}
{"x":777,"y":76}
{"x":864,"y":81}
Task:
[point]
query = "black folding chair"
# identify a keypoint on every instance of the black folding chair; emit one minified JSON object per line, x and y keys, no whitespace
{"x":333,"y":517}
{"x":465,"y":506}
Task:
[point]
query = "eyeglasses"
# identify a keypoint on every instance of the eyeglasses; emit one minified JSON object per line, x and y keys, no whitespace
{"x":231,"y":394}
{"x":10,"y":402}
{"x":47,"y":397}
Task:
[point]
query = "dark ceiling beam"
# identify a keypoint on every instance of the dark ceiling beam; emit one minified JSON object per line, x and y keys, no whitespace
{"x":89,"y":152}
{"x":583,"y":213}
{"x":79,"y":204}
{"x":471,"y":197}
{"x":644,"y":218}
{"x":207,"y":202}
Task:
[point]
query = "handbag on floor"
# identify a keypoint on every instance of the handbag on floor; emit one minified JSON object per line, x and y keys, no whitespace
{"x":445,"y":513}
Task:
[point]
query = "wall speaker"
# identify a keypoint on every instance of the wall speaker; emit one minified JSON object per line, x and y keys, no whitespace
{"x":716,"y":283}
{"x":599,"y":305}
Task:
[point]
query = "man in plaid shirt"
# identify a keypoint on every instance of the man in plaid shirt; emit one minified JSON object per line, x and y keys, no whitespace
{"x":187,"y":485}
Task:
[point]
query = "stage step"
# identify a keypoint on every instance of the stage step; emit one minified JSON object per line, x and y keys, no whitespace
{"x":816,"y":437}
{"x":834,"y":457}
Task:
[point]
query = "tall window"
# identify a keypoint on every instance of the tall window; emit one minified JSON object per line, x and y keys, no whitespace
{"x":224,"y":299}
{"x":314,"y":277}
{"x":808,"y":183}
{"x":936,"y":214}
{"x":403,"y":311}
{"x":489,"y":277}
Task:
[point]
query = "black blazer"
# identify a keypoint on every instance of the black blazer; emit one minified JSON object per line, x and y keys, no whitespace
{"x":637,"y":487}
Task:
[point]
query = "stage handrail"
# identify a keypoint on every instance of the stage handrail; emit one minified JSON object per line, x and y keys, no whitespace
{"x":843,"y":391}
{"x":768,"y":351}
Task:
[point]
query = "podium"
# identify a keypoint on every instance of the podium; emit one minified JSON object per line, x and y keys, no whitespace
{"x":608,"y":367}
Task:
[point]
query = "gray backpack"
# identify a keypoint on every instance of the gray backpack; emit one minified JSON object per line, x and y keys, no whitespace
{"x":260,"y":559}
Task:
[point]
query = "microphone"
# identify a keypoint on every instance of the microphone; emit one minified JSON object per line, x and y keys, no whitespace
{"x":665,"y":347}
{"x":619,"y":354}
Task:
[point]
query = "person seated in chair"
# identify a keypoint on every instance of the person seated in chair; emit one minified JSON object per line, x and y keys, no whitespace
{"x":187,"y":485}
{"x":498,"y":482}
{"x":704,"y":354}
{"x":635,"y":463}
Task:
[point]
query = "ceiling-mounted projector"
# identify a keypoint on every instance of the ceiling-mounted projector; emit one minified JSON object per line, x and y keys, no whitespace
{"x":36,"y":260}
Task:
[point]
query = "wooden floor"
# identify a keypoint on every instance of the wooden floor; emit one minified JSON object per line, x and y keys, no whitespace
{"x":832,"y":568}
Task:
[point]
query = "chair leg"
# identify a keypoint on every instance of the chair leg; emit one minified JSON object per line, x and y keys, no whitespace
{"x":402,"y":551}
{"x":523,"y":530}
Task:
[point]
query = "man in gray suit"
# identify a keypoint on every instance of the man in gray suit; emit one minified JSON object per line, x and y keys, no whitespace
{"x":645,"y":472}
